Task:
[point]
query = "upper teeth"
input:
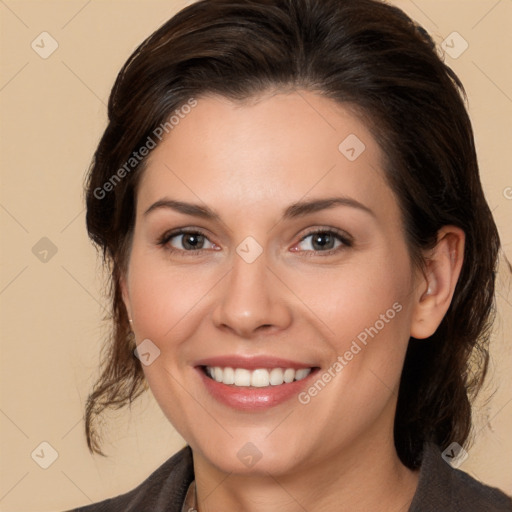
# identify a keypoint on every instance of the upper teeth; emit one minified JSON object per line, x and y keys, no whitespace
{"x":258,"y":378}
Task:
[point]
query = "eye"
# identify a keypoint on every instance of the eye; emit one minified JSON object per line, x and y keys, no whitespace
{"x":186,"y":241}
{"x":325,"y":241}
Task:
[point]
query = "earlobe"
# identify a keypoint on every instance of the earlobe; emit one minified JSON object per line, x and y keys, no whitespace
{"x":437,"y":284}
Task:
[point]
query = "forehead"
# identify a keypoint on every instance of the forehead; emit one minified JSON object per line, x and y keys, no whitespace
{"x":266,"y":151}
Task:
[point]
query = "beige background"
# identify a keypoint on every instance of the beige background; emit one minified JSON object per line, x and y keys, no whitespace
{"x":52,"y":115}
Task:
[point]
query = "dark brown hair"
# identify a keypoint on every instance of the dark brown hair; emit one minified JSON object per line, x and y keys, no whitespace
{"x":362,"y":53}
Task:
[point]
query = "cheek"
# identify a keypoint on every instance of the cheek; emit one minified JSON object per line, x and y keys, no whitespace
{"x":359,"y":382}
{"x":367,"y":314}
{"x":166,"y":308}
{"x":360,"y":298}
{"x":163,"y":298}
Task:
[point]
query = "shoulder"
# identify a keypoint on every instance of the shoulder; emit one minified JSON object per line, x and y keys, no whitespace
{"x":164,"y":490}
{"x":441,"y":487}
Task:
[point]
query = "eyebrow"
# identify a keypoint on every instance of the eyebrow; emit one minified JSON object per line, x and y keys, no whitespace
{"x":295,"y":210}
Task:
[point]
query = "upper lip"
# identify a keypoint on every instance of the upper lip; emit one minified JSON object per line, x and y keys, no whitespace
{"x":252,"y":362}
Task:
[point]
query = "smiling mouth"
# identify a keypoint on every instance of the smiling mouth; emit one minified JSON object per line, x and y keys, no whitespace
{"x":258,"y":378}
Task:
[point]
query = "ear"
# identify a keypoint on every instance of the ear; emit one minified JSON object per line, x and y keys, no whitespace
{"x":436,"y":285}
{"x":125,"y":294}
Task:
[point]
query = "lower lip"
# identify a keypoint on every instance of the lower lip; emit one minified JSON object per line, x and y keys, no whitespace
{"x":251,"y":398}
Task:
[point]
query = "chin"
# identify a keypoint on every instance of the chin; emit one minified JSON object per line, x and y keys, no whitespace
{"x":242,"y":456}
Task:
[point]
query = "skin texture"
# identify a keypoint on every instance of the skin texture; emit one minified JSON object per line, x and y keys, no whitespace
{"x":248,"y":161}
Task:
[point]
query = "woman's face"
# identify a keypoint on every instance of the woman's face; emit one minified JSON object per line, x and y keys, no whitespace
{"x":294,"y":258}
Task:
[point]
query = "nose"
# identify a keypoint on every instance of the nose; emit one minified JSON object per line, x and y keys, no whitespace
{"x":252,"y":300}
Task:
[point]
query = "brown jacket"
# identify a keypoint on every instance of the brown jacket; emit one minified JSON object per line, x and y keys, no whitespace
{"x":441,"y":488}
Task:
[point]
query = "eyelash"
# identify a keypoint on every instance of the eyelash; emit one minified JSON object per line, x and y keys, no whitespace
{"x":345,"y":240}
{"x":167,"y":237}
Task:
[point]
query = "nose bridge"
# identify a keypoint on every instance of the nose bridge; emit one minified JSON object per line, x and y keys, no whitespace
{"x":251,"y":298}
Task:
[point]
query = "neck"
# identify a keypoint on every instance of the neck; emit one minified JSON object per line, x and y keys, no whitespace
{"x":366,"y":476}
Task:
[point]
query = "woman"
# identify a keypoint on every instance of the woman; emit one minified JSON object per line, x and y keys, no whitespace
{"x":302,"y":260}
